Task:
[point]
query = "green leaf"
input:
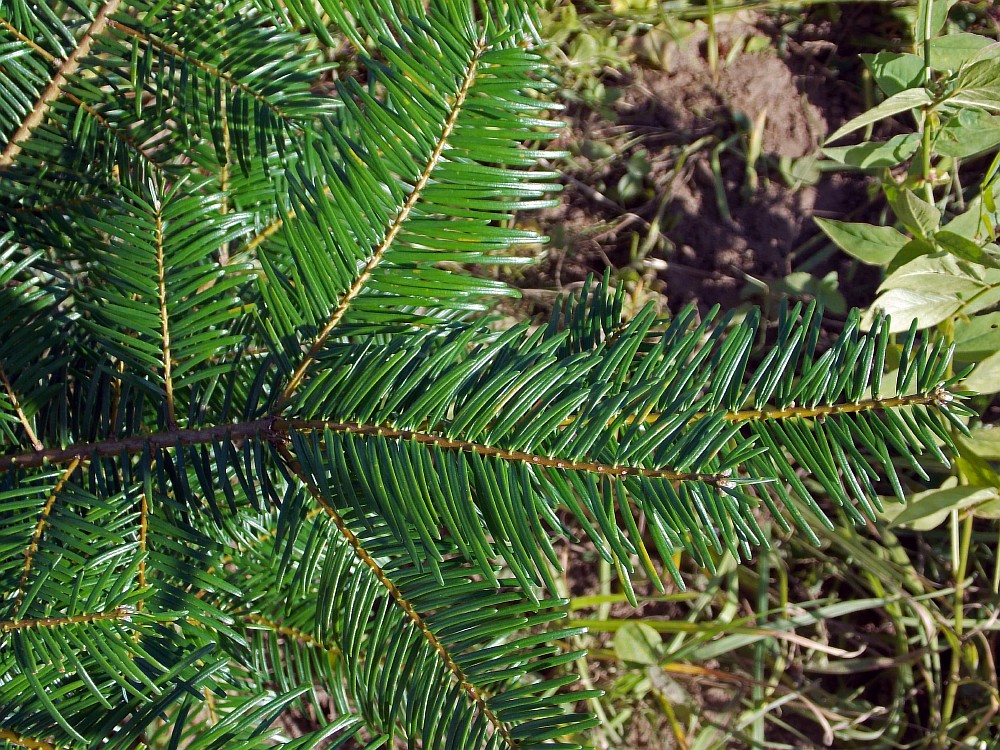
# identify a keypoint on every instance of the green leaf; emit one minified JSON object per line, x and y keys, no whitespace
{"x":931,"y":18}
{"x":638,"y":643}
{"x":934,"y":274}
{"x":983,"y":442}
{"x":928,"y":510}
{"x":894,"y":105}
{"x":986,"y":377}
{"x":869,"y":155}
{"x":917,"y":215}
{"x":951,"y":52}
{"x":989,"y":510}
{"x":869,"y":244}
{"x":978,"y":220}
{"x":973,"y":132}
{"x":894,"y":71}
{"x":976,"y":470}
{"x":978,"y":82}
{"x":911,"y":251}
{"x":906,"y":306}
{"x":978,"y":337}
{"x":965,"y":249}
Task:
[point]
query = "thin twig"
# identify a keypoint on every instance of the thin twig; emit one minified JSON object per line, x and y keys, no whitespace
{"x":21,"y":416}
{"x":938,"y":397}
{"x":43,"y":519}
{"x":278,"y":431}
{"x":211,"y":70}
{"x":161,"y":288}
{"x":118,"y":613}
{"x":136,"y":444}
{"x":290,"y":632}
{"x":69,"y":66}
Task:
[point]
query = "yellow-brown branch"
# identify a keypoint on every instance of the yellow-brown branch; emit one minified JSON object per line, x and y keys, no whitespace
{"x":20,"y":740}
{"x":119,"y":613}
{"x":22,"y":38}
{"x":21,"y":416}
{"x":143,"y":532}
{"x":43,"y":519}
{"x":161,"y":289}
{"x":937,"y":396}
{"x":51,"y":92}
{"x":200,"y":64}
{"x":290,"y":632}
{"x":489,"y":451}
{"x":276,"y":429}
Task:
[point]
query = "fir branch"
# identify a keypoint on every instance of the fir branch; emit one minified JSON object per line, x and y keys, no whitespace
{"x":143,"y":545}
{"x":202,"y":65}
{"x":397,"y":224}
{"x":137,"y":444}
{"x":36,"y":537}
{"x":463,"y":446}
{"x":68,"y":67}
{"x":277,"y":430}
{"x":27,"y":40}
{"x":119,"y":133}
{"x":161,"y":288}
{"x":470,"y":690}
{"x":259,"y":621}
{"x":939,"y":396}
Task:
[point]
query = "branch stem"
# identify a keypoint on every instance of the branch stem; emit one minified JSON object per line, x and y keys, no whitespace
{"x":937,"y":396}
{"x":21,"y":416}
{"x":68,"y":67}
{"x":161,"y":289}
{"x":264,"y":623}
{"x":36,"y":537}
{"x":277,"y":431}
{"x":118,"y":613}
{"x":437,"y":441}
{"x":19,"y":740}
{"x":136,"y":444}
{"x":211,"y":70}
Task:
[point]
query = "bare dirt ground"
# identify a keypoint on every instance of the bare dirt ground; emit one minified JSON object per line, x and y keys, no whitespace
{"x":722,"y":228}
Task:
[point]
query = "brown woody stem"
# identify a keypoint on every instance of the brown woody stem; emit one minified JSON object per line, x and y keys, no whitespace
{"x":277,"y":430}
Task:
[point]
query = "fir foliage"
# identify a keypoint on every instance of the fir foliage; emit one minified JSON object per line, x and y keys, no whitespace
{"x":261,"y":451}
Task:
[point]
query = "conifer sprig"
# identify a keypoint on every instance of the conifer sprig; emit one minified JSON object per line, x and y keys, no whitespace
{"x":260,"y":450}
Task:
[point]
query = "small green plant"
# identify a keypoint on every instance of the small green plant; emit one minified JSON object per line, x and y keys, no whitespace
{"x":941,"y":261}
{"x":262,"y":453}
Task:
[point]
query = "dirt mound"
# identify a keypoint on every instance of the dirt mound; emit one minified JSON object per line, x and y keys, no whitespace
{"x":722,"y":226}
{"x":685,"y":99}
